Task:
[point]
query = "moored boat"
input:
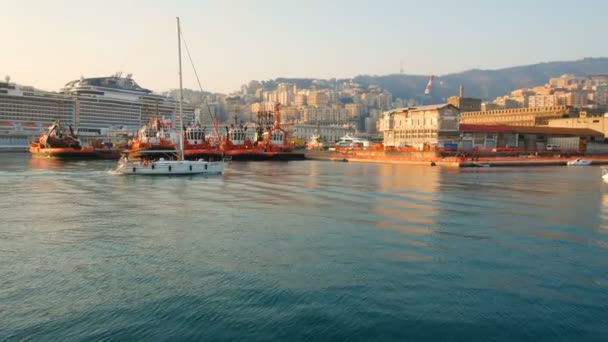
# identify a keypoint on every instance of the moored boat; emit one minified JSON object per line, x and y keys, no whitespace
{"x":269,"y":143}
{"x":237,"y":146}
{"x":273,"y":143}
{"x":157,"y":135}
{"x":314,"y":143}
{"x":349,"y":142}
{"x":61,"y":143}
{"x":198,"y":145}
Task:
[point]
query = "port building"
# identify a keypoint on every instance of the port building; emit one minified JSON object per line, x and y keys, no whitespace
{"x":497,"y":138}
{"x":423,"y":127}
{"x":518,"y":116}
{"x":596,"y":123}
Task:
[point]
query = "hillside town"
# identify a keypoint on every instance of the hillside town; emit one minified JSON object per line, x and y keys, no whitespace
{"x":567,"y":108}
{"x":567,"y":111}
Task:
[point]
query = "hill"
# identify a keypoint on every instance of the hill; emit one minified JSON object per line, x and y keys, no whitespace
{"x":487,"y":84}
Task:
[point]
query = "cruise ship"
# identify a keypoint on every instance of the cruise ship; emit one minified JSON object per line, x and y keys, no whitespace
{"x":25,"y":112}
{"x":95,"y":106}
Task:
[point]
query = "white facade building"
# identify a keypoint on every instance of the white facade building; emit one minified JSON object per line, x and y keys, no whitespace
{"x":422,"y":127}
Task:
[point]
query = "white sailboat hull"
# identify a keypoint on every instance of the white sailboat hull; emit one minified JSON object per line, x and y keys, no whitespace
{"x":171,"y":167}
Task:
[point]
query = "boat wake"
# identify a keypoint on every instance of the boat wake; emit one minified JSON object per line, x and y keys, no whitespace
{"x":113,"y":173}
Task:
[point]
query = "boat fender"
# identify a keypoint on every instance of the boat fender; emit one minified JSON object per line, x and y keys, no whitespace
{"x":133,"y":170}
{"x":169,"y":167}
{"x":152,"y":166}
{"x":190,"y":167}
{"x":205,"y":166}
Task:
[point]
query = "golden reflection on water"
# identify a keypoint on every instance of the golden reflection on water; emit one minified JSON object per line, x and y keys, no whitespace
{"x":312,"y":181}
{"x":46,"y":164}
{"x":604,"y":224}
{"x":47,"y":183}
{"x":406,"y":198}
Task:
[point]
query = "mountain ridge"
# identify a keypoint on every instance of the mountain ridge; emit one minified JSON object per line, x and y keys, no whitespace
{"x":486,"y":84}
{"x":483,"y":83}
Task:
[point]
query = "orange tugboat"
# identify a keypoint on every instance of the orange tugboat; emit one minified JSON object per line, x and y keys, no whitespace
{"x":237,"y":145}
{"x":273,"y":144}
{"x":157,"y":136}
{"x":270,"y":140}
{"x":198,"y":145}
{"x":61,"y":144}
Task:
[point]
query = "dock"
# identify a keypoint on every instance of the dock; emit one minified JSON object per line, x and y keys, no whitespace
{"x":433,"y":159}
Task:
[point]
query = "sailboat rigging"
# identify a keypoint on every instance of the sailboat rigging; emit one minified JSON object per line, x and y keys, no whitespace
{"x":214,"y":120}
{"x":148,"y":165}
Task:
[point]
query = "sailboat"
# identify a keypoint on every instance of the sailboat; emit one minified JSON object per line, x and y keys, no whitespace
{"x":147,"y":165}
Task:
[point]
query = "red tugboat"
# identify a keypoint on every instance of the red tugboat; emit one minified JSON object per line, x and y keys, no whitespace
{"x":198,"y":145}
{"x":237,"y":146}
{"x":274,"y":144}
{"x":60,"y":143}
{"x":157,"y":136}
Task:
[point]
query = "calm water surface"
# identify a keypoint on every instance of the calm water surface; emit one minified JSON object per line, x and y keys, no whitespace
{"x":302,"y":251}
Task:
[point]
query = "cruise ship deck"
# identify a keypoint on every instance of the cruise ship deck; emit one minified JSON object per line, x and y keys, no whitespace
{"x":94,"y":106}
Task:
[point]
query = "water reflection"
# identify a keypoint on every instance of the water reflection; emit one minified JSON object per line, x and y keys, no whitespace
{"x":52,"y":164}
{"x":405,"y":195}
{"x":435,"y":250}
{"x":604,"y":210}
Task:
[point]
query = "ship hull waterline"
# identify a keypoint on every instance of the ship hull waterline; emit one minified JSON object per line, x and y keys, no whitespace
{"x":171,"y":168}
{"x":63,"y":153}
{"x":264,"y":156}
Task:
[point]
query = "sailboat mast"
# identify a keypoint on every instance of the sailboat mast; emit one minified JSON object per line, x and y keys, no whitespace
{"x":181,"y":96}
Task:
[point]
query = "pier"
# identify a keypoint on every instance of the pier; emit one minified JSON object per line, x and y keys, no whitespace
{"x":436,"y":159}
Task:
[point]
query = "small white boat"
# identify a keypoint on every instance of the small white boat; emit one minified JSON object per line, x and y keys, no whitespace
{"x":579,"y":162}
{"x":350,"y":141}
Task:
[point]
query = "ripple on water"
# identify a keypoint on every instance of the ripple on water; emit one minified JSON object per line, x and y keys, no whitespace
{"x":302,"y":251}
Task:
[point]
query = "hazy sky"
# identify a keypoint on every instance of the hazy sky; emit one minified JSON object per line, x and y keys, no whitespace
{"x":48,"y":43}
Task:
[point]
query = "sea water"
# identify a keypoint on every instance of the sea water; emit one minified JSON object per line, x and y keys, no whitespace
{"x":303,"y":250}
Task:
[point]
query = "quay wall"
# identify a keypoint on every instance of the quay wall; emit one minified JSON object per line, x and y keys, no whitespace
{"x":457,"y":160}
